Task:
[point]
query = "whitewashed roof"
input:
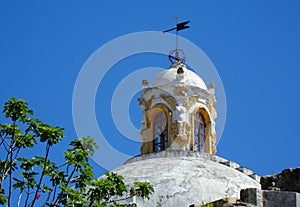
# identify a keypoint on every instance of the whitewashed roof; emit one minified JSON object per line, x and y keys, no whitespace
{"x":169,"y":77}
{"x":182,"y":178}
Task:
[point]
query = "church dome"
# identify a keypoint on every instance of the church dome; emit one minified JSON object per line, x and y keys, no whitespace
{"x":182,"y":178}
{"x":170,"y":77}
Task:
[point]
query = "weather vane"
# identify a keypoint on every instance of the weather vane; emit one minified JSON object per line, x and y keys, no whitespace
{"x":179,"y":26}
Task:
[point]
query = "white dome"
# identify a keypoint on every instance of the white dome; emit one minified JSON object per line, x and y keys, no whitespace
{"x":169,"y":77}
{"x":182,"y":178}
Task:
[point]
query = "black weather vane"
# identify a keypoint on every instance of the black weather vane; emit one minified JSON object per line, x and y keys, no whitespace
{"x":179,"y":26}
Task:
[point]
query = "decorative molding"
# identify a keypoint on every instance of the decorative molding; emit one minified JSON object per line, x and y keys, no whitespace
{"x":180,"y":90}
{"x":182,"y":137}
{"x":191,"y":101}
{"x":170,"y":100}
{"x":145,"y":104}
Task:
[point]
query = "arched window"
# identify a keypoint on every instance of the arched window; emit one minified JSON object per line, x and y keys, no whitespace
{"x":160,"y":132}
{"x":199,"y":132}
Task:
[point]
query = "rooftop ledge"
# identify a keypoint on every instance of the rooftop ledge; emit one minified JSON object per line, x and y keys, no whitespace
{"x":194,"y":154}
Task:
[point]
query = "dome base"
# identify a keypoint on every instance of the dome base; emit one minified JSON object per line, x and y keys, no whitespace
{"x":181,"y":178}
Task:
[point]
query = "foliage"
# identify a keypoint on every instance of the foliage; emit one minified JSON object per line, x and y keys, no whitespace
{"x":207,"y":205}
{"x":39,"y":181}
{"x":144,"y":189}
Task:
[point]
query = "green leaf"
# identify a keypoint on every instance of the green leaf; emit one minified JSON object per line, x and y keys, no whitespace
{"x":3,"y":198}
{"x":144,"y":189}
{"x":19,"y":184}
{"x":39,"y":174}
{"x":46,"y":188}
{"x":17,"y":109}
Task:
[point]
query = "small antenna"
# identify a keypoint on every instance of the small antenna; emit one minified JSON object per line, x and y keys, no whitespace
{"x":179,"y":26}
{"x":176,"y":49}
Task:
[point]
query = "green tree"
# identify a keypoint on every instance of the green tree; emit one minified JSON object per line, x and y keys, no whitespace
{"x":38,"y":180}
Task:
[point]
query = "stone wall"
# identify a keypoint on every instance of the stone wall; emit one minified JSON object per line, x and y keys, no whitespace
{"x":253,"y":197}
{"x":281,"y":199}
{"x":287,"y":180}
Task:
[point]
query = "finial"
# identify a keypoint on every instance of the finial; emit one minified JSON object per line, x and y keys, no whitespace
{"x":145,"y":83}
{"x":180,"y":70}
{"x":180,"y":73}
{"x":174,"y":55}
{"x":177,"y":55}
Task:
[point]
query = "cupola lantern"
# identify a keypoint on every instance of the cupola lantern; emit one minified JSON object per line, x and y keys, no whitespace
{"x":178,"y":112}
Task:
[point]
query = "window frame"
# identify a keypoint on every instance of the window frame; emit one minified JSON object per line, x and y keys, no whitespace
{"x":160,"y":142}
{"x":199,"y":132}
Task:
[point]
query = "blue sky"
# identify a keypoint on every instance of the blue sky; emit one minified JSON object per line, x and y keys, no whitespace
{"x":254,"y":46}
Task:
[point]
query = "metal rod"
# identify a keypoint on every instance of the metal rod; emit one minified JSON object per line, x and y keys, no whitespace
{"x":176,"y":50}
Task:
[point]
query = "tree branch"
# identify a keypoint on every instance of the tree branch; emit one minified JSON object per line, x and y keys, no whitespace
{"x":10,"y":182}
{"x":27,"y":196}
{"x":67,"y":183}
{"x":120,"y":199}
{"x":19,"y":198}
{"x":42,"y":175}
{"x":48,"y":197}
{"x":3,"y":141}
{"x":13,"y":142}
{"x":54,"y":193}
